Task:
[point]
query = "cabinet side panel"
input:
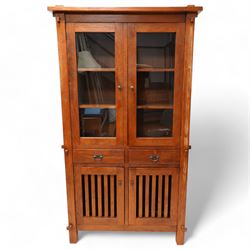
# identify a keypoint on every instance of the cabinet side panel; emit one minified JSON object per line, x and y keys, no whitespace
{"x":62,"y":50}
{"x":185,"y":127}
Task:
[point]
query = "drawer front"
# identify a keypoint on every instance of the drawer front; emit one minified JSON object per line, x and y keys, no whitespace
{"x":153,"y":156}
{"x":98,"y":156}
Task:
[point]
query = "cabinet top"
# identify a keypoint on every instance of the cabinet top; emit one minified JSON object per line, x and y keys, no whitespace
{"x":125,"y":10}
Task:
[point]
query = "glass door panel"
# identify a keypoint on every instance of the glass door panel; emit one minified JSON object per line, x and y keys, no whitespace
{"x":95,"y":76}
{"x":96,"y":83}
{"x":155,"y":83}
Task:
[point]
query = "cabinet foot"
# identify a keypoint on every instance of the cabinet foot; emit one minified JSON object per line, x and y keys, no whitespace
{"x":73,"y":233}
{"x":180,"y":235}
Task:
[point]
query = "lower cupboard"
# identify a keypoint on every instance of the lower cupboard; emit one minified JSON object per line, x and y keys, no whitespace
{"x":100,"y":197}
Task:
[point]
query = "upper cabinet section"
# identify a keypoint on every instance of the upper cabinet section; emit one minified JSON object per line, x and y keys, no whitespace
{"x":95,"y":66}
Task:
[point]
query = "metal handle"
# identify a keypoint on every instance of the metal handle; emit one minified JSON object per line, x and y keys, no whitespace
{"x":132,"y":87}
{"x":154,"y":158}
{"x":119,"y":87}
{"x":98,"y":156}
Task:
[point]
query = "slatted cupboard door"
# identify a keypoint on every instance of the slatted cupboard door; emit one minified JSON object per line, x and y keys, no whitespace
{"x":99,"y":195}
{"x":153,"y":196}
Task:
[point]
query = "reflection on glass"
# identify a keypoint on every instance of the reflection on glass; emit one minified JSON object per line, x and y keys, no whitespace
{"x":155,"y":50}
{"x":155,"y":88}
{"x":95,"y":50}
{"x":96,"y":87}
{"x":96,"y":122}
{"x":154,"y":122}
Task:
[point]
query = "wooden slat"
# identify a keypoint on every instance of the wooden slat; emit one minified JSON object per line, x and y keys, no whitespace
{"x":112,"y":196}
{"x":166,"y":197}
{"x":99,"y":184}
{"x":86,"y":189}
{"x":153,"y":196}
{"x":93,"y":195}
{"x":147,"y":197}
{"x":106,"y":201}
{"x":159,"y":212}
{"x":140,"y":186}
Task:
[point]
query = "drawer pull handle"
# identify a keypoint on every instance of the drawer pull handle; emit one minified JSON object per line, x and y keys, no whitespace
{"x":98,"y":156}
{"x":154,"y":158}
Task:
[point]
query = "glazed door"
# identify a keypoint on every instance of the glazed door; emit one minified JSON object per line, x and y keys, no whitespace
{"x":155,"y":65}
{"x":95,"y":76}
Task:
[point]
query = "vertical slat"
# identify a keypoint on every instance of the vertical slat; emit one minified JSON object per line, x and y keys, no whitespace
{"x":159,"y":213}
{"x":140,"y":196}
{"x":147,"y":196}
{"x":166,"y":197}
{"x":93,"y":195}
{"x":153,"y":196}
{"x":99,"y":184}
{"x":106,"y":196}
{"x":86,"y":188}
{"x":112,"y":196}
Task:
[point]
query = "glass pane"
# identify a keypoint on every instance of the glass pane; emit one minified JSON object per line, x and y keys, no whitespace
{"x":96,"y":88}
{"x":155,"y":50}
{"x":97,"y":122}
{"x":155,"y":84}
{"x":96,"y":83}
{"x":155,"y":88}
{"x":154,"y":122}
{"x":95,"y":50}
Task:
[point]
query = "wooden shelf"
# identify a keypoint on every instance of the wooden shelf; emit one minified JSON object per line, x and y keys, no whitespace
{"x":102,"y":106}
{"x":96,"y":69}
{"x":154,"y":70}
{"x":154,"y":106}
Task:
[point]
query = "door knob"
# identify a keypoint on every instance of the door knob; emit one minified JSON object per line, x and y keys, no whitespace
{"x":119,"y":87}
{"x":131,"y":87}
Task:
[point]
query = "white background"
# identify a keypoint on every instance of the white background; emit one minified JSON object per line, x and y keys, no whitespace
{"x":33,"y":211}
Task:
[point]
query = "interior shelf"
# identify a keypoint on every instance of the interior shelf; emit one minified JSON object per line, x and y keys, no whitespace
{"x":154,"y":70}
{"x":96,"y":69}
{"x":154,"y":106}
{"x":103,"y":106}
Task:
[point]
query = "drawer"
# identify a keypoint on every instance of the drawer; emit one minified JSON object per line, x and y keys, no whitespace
{"x":98,"y":156}
{"x":153,"y":156}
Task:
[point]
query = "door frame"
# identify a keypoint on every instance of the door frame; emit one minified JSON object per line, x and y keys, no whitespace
{"x":179,"y":28}
{"x":71,"y":29}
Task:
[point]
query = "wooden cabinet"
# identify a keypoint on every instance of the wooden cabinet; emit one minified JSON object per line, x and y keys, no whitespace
{"x":126,"y":91}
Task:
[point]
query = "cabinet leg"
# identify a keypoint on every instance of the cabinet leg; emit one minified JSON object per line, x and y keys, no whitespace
{"x":73,"y":234}
{"x":180,"y":235}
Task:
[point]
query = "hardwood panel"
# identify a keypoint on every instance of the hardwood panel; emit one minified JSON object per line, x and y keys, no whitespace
{"x":138,"y":10}
{"x":153,"y":196}
{"x":118,"y":18}
{"x":87,"y":198}
{"x":166,"y":191}
{"x":100,"y":200}
{"x":159,"y":212}
{"x":138,"y":156}
{"x":106,"y":197}
{"x":98,"y":156}
{"x":100,"y":195}
{"x":93,"y":196}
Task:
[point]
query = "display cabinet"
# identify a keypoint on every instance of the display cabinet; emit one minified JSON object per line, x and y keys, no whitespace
{"x":126,"y":90}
